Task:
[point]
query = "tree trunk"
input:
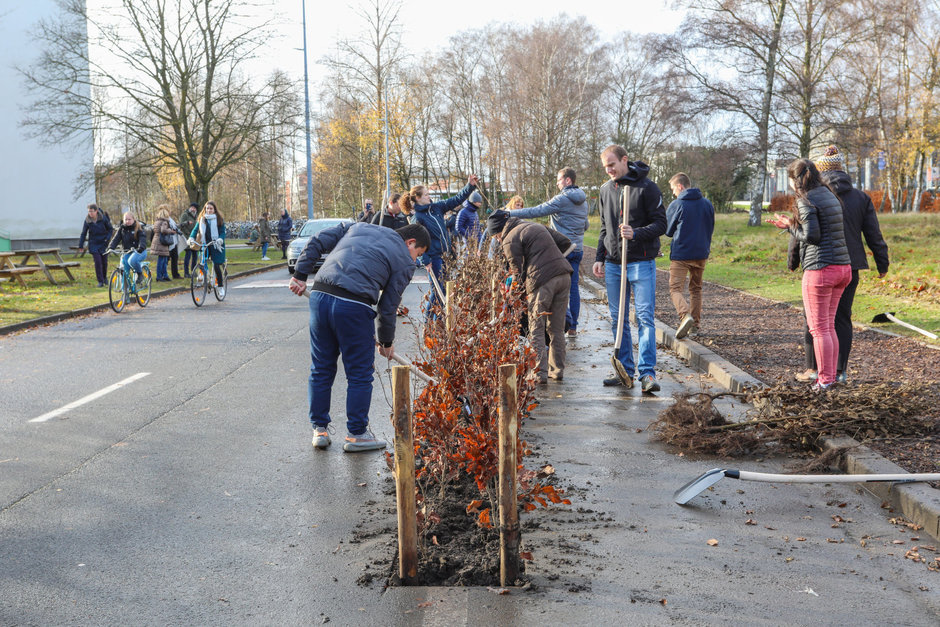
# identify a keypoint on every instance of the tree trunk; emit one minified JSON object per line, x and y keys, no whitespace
{"x":763,"y":144}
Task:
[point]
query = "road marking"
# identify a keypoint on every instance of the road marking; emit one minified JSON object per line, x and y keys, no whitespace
{"x":89,"y":398}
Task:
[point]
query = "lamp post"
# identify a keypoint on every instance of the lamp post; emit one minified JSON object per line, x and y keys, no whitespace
{"x":303,"y":7}
{"x":388,"y":181}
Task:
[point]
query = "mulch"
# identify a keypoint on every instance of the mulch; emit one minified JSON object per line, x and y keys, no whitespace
{"x":764,"y":338}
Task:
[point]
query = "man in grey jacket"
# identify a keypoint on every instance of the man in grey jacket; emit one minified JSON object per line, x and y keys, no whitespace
{"x":569,"y":216}
{"x":369,"y":266}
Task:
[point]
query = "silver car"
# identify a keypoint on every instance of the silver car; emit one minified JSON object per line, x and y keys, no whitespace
{"x":310,"y":228}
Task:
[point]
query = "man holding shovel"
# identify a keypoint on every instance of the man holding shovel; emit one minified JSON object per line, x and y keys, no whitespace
{"x":632,"y":220}
{"x":365,"y":275}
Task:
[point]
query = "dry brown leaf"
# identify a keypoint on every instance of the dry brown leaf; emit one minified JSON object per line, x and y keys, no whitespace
{"x":712,"y":542}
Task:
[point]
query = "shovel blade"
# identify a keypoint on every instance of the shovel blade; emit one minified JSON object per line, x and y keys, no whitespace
{"x":620,"y":370}
{"x":698,"y":485}
{"x":883,"y":317}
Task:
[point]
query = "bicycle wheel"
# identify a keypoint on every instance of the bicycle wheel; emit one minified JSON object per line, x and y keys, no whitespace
{"x":143,"y":290}
{"x":117,"y":294}
{"x":222,"y":290}
{"x":199,"y":285}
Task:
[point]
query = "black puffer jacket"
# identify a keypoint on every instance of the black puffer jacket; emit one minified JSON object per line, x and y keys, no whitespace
{"x":858,"y":218}
{"x":820,"y":232}
{"x":647,"y":216}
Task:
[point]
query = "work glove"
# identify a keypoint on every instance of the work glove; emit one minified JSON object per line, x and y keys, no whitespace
{"x":191,"y":242}
{"x":218,"y":243}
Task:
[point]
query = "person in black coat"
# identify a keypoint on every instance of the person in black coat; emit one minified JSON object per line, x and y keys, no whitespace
{"x":97,"y":229}
{"x":392,"y":216}
{"x":859,"y":218}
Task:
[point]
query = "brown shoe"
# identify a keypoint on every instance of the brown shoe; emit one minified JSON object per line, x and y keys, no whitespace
{"x":806,"y":376}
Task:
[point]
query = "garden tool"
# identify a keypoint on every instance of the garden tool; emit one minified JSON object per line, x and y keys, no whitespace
{"x":889,"y":317}
{"x":698,"y":485}
{"x":437,"y":287}
{"x":625,"y":378}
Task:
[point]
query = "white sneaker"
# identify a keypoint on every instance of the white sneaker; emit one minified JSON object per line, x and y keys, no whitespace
{"x":364,"y":442}
{"x":265,"y":259}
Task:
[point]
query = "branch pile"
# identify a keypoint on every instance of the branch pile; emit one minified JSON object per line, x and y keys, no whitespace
{"x":787,"y":418}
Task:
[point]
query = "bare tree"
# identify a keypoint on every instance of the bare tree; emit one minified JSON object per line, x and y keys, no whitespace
{"x":170,"y":73}
{"x":731,"y":48}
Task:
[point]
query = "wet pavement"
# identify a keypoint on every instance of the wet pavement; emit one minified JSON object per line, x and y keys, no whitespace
{"x":196,"y":498}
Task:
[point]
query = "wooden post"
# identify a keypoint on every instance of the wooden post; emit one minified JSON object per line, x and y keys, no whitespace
{"x":508,"y":508}
{"x":494,"y":297}
{"x":450,"y":309}
{"x":405,"y":475}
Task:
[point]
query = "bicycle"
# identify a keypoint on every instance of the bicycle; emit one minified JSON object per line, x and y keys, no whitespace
{"x":122,"y":286}
{"x":205,"y":268}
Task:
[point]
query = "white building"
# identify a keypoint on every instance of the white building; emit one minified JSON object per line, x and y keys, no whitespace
{"x":40,"y":205}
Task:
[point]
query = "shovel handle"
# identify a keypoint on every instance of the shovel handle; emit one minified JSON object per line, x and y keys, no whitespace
{"x":932,"y":336}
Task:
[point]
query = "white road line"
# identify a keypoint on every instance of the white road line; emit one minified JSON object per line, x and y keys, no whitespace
{"x":89,"y":398}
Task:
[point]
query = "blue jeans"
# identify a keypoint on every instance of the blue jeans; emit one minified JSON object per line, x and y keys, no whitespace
{"x":162,"y":263}
{"x":264,"y":249}
{"x":641,"y":279}
{"x":189,"y":261}
{"x":132,"y":260}
{"x":574,"y":297}
{"x":341,"y":327}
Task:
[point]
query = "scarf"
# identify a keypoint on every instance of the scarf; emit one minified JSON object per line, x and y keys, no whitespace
{"x":213,"y":229}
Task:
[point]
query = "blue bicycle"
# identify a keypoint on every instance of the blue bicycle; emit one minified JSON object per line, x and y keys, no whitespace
{"x":203,"y":277}
{"x":122,"y":287}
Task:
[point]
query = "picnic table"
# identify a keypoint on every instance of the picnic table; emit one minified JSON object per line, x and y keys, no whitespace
{"x":11,"y":268}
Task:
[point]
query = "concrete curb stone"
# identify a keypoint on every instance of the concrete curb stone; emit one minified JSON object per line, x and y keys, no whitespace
{"x":917,"y":502}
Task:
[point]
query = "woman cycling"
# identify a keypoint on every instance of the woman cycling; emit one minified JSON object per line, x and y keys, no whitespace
{"x":210,"y":228}
{"x":131,"y":237}
{"x":431,"y":216}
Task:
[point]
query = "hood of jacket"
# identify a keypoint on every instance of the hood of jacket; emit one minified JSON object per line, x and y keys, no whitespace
{"x":636,"y":172}
{"x":575,"y":194}
{"x":691,"y":193}
{"x":839,"y":182}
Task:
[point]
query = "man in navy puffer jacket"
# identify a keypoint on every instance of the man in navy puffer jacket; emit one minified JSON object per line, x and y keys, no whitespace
{"x":690,"y":222}
{"x":369,"y":267}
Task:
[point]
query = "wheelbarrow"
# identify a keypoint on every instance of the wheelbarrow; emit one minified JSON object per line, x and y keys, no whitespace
{"x":889,"y":317}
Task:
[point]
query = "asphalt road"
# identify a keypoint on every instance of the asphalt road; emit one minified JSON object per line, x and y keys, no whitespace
{"x":191,"y":495}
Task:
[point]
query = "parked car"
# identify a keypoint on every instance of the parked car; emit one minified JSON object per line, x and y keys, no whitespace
{"x":309,"y":229}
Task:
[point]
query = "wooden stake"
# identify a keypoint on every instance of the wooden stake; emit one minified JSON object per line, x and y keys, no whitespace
{"x":509,"y":535}
{"x":405,"y":475}
{"x":450,"y":309}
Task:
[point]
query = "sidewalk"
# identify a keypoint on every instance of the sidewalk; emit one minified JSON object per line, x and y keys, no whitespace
{"x":624,"y":552}
{"x":917,"y":502}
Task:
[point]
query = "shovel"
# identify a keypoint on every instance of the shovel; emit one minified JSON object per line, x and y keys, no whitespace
{"x":625,"y":378}
{"x":698,"y":485}
{"x":889,"y":317}
{"x":400,"y":360}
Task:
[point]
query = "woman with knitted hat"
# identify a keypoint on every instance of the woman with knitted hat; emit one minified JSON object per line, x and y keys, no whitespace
{"x":817,"y":226}
{"x":858,"y":218}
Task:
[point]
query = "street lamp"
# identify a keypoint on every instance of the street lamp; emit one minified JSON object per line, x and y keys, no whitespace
{"x":303,"y":7}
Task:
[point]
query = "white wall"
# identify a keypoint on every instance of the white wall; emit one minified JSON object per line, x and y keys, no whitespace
{"x":38,"y":182}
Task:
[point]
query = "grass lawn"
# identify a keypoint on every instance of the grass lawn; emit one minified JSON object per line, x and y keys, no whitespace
{"x":753,"y":259}
{"x":40,"y":298}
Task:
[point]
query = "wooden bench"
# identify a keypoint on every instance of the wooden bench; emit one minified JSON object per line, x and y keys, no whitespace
{"x":24,"y":267}
{"x":9,"y":270}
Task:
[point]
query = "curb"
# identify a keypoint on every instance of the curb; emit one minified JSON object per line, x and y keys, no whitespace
{"x":76,"y":313}
{"x":917,"y":502}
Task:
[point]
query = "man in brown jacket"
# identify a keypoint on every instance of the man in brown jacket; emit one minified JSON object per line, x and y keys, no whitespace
{"x":537,"y":257}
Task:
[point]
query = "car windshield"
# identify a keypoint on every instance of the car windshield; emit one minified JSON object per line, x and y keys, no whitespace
{"x":312,"y":227}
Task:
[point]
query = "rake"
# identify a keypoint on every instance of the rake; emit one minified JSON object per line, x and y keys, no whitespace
{"x":698,"y":485}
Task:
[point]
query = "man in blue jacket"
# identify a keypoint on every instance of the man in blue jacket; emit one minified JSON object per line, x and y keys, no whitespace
{"x":690,"y":222}
{"x":631,"y":208}
{"x":569,"y":216}
{"x":366,"y":273}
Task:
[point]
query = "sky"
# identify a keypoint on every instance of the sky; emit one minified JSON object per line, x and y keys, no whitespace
{"x":428,"y":25}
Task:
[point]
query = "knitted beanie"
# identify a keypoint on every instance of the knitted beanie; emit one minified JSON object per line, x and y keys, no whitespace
{"x":496,"y":222}
{"x":831,"y":160}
